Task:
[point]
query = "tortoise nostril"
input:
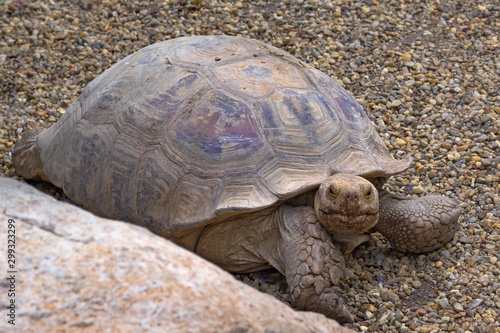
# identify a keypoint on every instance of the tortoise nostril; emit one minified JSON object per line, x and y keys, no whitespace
{"x":352,"y":196}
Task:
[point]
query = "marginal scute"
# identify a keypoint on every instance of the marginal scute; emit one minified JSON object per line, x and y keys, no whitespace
{"x":191,"y":206}
{"x":191,"y":131}
{"x":236,"y":196}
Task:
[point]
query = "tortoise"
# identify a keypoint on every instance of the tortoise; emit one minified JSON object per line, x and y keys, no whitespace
{"x":241,"y":153}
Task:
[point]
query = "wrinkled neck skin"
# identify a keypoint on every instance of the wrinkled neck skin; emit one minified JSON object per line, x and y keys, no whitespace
{"x":304,"y":199}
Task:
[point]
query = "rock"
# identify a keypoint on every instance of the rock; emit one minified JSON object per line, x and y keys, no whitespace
{"x":406,"y":57}
{"x":445,"y":253}
{"x":475,"y":303}
{"x":79,"y":272}
{"x":443,"y":303}
{"x":465,"y":240}
{"x":458,"y":307}
{"x":400,"y":142}
{"x":418,"y":190}
{"x":416,"y":284}
{"x":484,"y":280}
{"x":396,"y":103}
{"x":420,"y":312}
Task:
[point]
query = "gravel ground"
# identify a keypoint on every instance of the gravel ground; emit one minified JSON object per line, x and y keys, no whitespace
{"x":426,"y":72}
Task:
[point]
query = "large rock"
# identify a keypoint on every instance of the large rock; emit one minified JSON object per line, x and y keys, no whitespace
{"x":78,"y":272}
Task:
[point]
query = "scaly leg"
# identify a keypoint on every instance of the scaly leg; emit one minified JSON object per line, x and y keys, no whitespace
{"x":417,"y":225}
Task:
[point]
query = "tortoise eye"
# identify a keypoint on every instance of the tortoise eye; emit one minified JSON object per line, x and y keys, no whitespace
{"x":332,"y":192}
{"x":369,"y":193}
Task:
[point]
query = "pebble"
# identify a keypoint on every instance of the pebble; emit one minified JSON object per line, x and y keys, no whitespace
{"x":443,"y":303}
{"x":465,"y":240}
{"x":406,"y":57}
{"x":418,"y":190}
{"x":475,"y":303}
{"x":400,"y":142}
{"x":484,"y":280}
{"x":426,"y":74}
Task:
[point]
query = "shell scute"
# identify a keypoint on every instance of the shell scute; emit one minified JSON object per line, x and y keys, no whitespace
{"x":217,"y":129}
{"x":256,"y":77}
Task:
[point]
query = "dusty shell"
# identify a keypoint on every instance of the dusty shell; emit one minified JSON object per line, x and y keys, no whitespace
{"x":193,"y":130}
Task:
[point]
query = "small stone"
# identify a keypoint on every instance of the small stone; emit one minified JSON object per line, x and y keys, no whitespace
{"x":396,"y":103}
{"x":445,"y":253}
{"x":417,"y":190}
{"x":420,"y":312}
{"x":484,"y":280}
{"x":493,"y":260}
{"x":400,"y":142}
{"x":465,"y":240}
{"x":383,"y":320}
{"x":346,"y":80}
{"x":428,"y":329}
{"x":458,"y":307}
{"x":406,"y":57}
{"x":443,"y":303}
{"x":475,"y":303}
{"x":439,"y":264}
{"x":374,"y":327}
{"x":416,"y":284}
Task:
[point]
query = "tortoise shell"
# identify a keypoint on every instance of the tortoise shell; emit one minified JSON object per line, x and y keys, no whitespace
{"x":190,"y":131}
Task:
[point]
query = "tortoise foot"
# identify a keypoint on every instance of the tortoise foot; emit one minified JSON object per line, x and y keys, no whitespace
{"x":418,"y":225}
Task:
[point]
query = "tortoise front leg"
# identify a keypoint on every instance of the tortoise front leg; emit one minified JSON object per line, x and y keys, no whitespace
{"x":292,"y":240}
{"x":313,"y":266}
{"x":417,"y":224}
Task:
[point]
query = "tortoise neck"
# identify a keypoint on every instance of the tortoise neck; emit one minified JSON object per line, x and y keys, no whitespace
{"x":378,"y":182}
{"x":303,"y":199}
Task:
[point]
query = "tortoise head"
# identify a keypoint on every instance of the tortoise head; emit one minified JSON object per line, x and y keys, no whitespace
{"x":346,"y":204}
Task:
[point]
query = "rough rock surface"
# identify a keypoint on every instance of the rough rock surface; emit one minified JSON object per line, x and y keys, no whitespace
{"x":81,"y":273}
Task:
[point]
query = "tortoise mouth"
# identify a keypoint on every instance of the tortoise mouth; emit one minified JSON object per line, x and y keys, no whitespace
{"x":347,"y":224}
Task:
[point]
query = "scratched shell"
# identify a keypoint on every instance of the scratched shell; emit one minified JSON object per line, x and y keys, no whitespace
{"x":190,"y":131}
